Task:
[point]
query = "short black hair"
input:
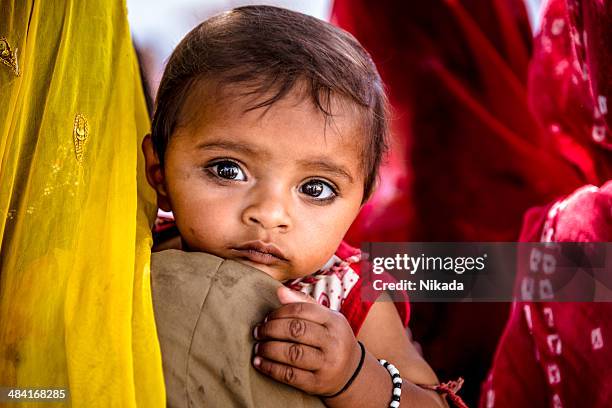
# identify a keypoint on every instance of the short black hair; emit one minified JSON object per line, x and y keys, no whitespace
{"x":271,"y":50}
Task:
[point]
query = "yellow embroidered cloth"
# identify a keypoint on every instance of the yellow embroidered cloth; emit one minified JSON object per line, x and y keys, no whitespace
{"x":75,"y":297}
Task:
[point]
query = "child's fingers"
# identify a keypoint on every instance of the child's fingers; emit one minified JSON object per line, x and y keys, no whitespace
{"x":293,"y":354}
{"x":295,"y":330}
{"x":298,"y":378}
{"x":306,"y":311}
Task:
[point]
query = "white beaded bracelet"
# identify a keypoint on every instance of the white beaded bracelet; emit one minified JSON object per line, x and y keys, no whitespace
{"x":397,"y":383}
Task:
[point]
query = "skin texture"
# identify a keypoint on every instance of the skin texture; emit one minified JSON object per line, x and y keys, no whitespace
{"x":277,"y":189}
{"x":313,"y":348}
{"x":275,"y":157}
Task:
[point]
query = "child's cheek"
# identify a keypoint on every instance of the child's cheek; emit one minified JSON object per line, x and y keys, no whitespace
{"x":319,"y":238}
{"x":206,"y":219}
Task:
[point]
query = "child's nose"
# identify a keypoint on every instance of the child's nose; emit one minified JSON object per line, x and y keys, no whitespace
{"x":268,"y":210}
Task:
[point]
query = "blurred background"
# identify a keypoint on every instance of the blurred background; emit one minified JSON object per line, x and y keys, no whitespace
{"x":472,"y":148}
{"x":158,"y":26}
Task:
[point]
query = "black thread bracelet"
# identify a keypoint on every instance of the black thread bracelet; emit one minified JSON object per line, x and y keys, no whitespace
{"x":355,"y":374}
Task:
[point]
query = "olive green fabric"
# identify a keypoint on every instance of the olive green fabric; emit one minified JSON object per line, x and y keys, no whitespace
{"x":205,"y":310}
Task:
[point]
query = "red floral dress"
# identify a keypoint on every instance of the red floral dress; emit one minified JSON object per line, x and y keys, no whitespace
{"x":338,"y":286}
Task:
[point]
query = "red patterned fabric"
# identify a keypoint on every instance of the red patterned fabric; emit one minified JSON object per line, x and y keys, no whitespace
{"x":591,"y":32}
{"x":562,"y":95}
{"x":468,"y":157}
{"x":559,"y":354}
{"x":338,"y":286}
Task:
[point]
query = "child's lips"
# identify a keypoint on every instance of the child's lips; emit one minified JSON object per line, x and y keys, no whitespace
{"x":260,"y":252}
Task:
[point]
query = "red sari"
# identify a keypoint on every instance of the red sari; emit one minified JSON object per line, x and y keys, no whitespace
{"x":468,"y":157}
{"x":560,"y":354}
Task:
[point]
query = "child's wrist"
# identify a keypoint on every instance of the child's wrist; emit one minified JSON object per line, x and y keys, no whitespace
{"x":352,"y":378}
{"x":372,"y":387}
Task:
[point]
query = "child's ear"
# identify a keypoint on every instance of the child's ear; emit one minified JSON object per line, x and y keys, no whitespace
{"x":155,"y":174}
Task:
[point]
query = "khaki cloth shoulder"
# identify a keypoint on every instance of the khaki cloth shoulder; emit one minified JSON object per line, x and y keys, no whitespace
{"x":205,"y":311}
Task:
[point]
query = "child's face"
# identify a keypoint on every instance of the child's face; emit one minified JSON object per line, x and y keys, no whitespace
{"x":276,"y":191}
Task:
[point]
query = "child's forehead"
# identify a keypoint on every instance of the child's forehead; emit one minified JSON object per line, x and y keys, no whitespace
{"x":291,"y":132}
{"x":211,"y":106}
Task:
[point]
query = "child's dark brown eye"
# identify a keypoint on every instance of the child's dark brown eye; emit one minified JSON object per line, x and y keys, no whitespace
{"x":318,"y":189}
{"x":228,"y":170}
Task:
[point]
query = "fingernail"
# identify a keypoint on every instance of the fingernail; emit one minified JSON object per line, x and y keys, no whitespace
{"x":257,"y":361}
{"x":255,"y":330}
{"x":266,"y":318}
{"x":256,"y":347}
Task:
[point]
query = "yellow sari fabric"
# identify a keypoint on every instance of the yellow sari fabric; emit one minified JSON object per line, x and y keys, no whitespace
{"x":75,"y":298}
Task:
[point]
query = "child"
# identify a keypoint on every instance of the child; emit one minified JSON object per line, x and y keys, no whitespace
{"x":267,"y":137}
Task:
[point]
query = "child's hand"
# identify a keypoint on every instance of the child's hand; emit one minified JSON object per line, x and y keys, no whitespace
{"x":306,"y":345}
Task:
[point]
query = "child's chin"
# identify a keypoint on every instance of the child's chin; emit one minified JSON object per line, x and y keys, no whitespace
{"x":274,"y":273}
